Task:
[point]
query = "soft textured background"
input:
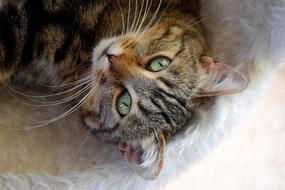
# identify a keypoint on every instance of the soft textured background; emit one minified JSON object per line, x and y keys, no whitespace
{"x":248,"y":34}
{"x":253,"y":158}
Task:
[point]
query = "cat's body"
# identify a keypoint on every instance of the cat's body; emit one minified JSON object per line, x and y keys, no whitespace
{"x":55,"y":34}
{"x":140,"y":81}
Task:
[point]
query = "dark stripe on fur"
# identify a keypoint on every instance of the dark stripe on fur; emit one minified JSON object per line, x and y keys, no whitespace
{"x":164,"y":114}
{"x":66,"y":20}
{"x":143,"y":110}
{"x":166,"y":82}
{"x":10,"y":22}
{"x":8,"y":39}
{"x":34,"y":14}
{"x":148,"y":113}
{"x":181,"y":101}
{"x":176,"y":112}
{"x":62,"y":52}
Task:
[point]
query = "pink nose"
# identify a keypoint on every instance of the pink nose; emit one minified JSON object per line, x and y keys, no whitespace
{"x":112,"y":58}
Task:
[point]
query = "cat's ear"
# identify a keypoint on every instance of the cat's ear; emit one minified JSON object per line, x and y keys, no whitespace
{"x":145,"y":157}
{"x":220,"y":79}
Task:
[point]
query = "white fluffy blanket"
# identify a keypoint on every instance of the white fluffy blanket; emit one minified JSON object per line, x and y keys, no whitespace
{"x":247,"y":34}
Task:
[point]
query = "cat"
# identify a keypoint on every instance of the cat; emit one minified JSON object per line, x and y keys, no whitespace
{"x":142,"y":66}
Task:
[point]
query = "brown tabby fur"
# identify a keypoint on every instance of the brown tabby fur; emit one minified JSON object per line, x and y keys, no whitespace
{"x":53,"y":41}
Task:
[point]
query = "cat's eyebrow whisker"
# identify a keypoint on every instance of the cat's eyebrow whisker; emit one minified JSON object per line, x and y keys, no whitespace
{"x":193,"y":19}
{"x":135,"y":17}
{"x":147,"y":9}
{"x":53,"y":103}
{"x":123,"y":18}
{"x":163,"y":13}
{"x":128,"y":18}
{"x":152,"y":19}
{"x":142,"y":15}
{"x":154,"y":15}
{"x":193,"y":24}
{"x":50,"y":95}
{"x":139,"y":17}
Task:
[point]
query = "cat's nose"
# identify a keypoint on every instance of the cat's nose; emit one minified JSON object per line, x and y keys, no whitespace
{"x":113,"y":59}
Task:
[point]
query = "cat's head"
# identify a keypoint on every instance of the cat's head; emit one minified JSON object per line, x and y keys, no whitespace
{"x":144,"y":86}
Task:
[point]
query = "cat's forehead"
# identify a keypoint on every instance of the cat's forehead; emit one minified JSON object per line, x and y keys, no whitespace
{"x":159,"y":38}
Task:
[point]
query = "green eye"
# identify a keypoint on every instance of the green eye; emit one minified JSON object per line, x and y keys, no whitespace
{"x":124,"y":103}
{"x":158,"y":64}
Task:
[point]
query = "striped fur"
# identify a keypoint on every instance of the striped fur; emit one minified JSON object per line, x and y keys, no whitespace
{"x":72,"y":38}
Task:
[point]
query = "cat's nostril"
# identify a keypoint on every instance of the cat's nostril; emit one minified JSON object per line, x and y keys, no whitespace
{"x":112,"y":58}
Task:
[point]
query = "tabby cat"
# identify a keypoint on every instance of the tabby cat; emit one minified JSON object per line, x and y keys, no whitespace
{"x":143,"y":65}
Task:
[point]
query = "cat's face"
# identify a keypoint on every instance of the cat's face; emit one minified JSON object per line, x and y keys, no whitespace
{"x":143,"y":89}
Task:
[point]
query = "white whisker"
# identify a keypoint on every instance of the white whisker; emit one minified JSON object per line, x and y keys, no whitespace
{"x":50,"y":95}
{"x":64,"y":115}
{"x":139,"y":17}
{"x":123,"y":19}
{"x":135,"y":17}
{"x":148,"y":7}
{"x":152,"y":19}
{"x":128,"y":18}
{"x":53,"y":103}
{"x":193,"y":24}
{"x":163,"y":13}
{"x":69,"y":84}
{"x":154,"y":15}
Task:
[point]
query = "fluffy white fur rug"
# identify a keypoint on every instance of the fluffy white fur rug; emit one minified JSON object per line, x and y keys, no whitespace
{"x":248,"y":34}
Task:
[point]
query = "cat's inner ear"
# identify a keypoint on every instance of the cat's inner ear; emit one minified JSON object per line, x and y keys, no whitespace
{"x":220,"y":79}
{"x":145,"y":157}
